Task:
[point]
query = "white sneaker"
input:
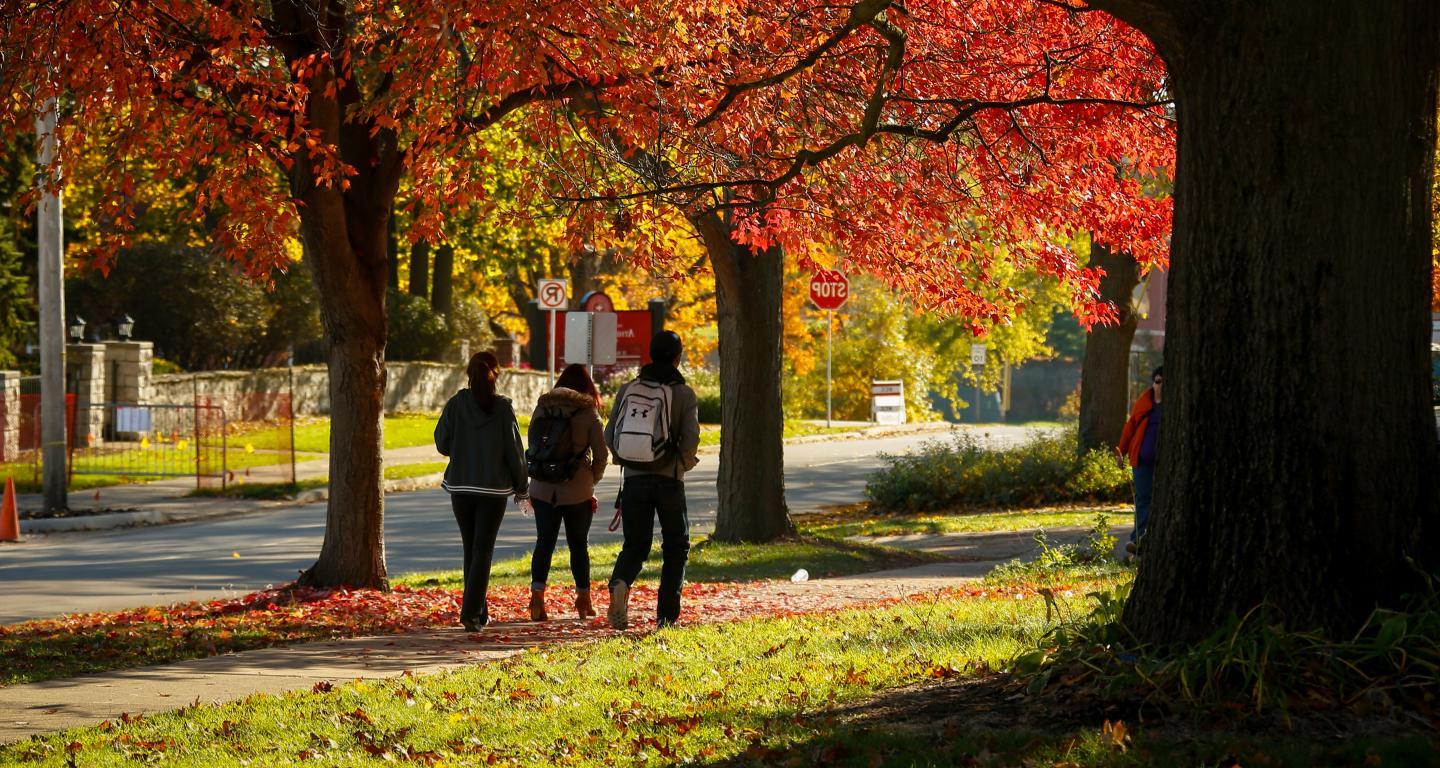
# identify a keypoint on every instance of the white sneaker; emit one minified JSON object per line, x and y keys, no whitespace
{"x":619,"y":612}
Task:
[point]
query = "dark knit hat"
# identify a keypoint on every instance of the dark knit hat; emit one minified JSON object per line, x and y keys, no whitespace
{"x":665,"y":347}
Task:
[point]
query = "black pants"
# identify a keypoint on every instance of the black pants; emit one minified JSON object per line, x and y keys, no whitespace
{"x":645,"y":498}
{"x":479,"y":518}
{"x":548,"y":518}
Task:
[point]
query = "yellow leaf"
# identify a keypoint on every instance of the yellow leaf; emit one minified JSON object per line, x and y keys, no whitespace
{"x":235,"y":554}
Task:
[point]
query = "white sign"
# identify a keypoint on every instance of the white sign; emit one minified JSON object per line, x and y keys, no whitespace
{"x":590,"y":337}
{"x":887,"y":402}
{"x":977,"y":354}
{"x":551,"y":294}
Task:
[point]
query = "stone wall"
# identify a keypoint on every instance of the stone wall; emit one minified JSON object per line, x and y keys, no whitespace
{"x":413,"y":387}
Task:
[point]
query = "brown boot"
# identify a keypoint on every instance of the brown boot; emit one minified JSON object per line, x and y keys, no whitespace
{"x":537,"y":604}
{"x":582,"y":604}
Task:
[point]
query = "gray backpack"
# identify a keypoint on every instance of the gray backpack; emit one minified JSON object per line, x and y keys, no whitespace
{"x":642,"y":432}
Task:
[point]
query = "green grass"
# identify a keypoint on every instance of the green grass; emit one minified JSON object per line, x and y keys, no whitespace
{"x":864,"y":523}
{"x":407,"y":471}
{"x":402,"y":430}
{"x":848,"y":688}
{"x":699,"y":693}
{"x":289,"y":490}
{"x":710,"y":561}
{"x":710,"y":433}
{"x":100,"y":470}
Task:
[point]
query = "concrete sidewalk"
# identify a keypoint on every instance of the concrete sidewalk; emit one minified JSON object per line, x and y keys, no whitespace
{"x":165,"y":501}
{"x":56,"y":705}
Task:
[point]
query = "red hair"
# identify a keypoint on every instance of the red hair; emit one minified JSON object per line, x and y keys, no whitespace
{"x":577,"y":378}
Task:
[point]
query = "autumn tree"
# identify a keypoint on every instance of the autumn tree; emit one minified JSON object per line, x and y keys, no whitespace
{"x":304,"y":118}
{"x":866,"y":130}
{"x":1298,"y":466}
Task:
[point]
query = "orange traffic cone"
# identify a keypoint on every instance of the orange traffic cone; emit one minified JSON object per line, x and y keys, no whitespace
{"x":9,"y":517}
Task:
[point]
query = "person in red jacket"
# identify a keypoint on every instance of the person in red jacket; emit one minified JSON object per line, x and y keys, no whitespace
{"x":1140,"y":443}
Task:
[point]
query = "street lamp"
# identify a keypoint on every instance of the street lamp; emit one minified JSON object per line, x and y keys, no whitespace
{"x":77,"y":330}
{"x":125,"y":327}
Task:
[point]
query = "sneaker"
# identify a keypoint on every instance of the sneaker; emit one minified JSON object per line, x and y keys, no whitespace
{"x":619,"y":613}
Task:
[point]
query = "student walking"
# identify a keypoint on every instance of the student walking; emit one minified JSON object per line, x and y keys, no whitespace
{"x":478,"y":431}
{"x":566,"y":459}
{"x":654,"y":432}
{"x":1140,"y":443}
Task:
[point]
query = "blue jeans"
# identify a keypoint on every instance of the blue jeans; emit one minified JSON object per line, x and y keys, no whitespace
{"x":548,"y":518}
{"x":644,"y":498}
{"x":1144,"y":476}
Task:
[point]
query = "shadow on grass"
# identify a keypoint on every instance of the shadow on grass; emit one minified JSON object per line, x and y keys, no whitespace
{"x":984,"y":722}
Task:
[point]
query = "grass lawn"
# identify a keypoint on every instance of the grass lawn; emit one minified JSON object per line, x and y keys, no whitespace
{"x":859,"y":521}
{"x":101,"y":470}
{"x":709,"y":562}
{"x":696,"y":693}
{"x":904,"y":685}
{"x":287,"y":490}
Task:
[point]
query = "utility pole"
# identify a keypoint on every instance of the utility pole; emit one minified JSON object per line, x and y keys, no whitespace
{"x":52,"y":313}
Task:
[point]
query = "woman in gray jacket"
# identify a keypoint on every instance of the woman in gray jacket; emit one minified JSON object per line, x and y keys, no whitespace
{"x":478,"y":431}
{"x":563,"y":481}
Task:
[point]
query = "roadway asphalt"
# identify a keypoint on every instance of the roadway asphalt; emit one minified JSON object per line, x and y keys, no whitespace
{"x":108,"y":570}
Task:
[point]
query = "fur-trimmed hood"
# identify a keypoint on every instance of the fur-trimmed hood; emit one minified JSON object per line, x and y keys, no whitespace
{"x":564,"y":397}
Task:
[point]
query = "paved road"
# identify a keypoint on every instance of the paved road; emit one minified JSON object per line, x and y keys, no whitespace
{"x":65,"y":573}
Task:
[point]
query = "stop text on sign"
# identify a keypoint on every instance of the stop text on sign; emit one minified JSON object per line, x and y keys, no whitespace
{"x":829,"y":289}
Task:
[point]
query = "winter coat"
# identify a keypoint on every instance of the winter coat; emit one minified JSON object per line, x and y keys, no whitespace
{"x":486,"y":455}
{"x":1134,"y":433}
{"x":684,"y":421}
{"x":587,"y":441}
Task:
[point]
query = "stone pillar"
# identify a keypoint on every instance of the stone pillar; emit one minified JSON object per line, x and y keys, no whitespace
{"x":9,"y":415}
{"x":85,"y":377}
{"x":128,"y":373}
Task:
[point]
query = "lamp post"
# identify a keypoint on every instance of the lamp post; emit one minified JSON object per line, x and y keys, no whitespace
{"x":125,"y":327}
{"x":77,"y":330}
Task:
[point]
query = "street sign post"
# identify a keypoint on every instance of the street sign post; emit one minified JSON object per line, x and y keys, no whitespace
{"x":829,"y":288}
{"x":550,"y":295}
{"x":977,"y":357}
{"x":590,"y":338}
{"x":887,"y":402}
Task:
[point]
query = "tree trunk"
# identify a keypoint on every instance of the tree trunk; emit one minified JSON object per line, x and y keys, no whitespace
{"x":351,"y":281}
{"x":1298,"y":460}
{"x":1105,"y":372}
{"x":346,"y":234}
{"x":751,"y":480}
{"x":443,"y":291}
{"x":584,"y":274}
{"x":419,"y":268}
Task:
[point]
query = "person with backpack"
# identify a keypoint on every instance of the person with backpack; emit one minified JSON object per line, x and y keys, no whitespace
{"x":566,"y":459}
{"x":479,"y":433}
{"x":654,"y":433}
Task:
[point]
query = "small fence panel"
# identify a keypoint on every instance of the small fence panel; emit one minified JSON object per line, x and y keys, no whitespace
{"x":260,"y":436}
{"x":136,"y":443}
{"x":219,"y":441}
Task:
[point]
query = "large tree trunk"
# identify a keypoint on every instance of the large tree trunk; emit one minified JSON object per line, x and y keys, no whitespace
{"x":1298,"y":460}
{"x":1105,"y":372}
{"x":346,"y":233}
{"x":751,"y":480}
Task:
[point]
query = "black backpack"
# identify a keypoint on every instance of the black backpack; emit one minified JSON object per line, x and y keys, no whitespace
{"x":550,"y":457}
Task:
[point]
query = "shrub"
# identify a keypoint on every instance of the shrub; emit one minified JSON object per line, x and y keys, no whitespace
{"x":705,"y":382}
{"x":960,"y":472}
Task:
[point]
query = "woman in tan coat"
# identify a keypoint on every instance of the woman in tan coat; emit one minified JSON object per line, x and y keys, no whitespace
{"x":566,"y":459}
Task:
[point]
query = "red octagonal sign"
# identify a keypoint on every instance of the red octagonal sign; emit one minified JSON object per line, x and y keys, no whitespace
{"x":829,"y":289}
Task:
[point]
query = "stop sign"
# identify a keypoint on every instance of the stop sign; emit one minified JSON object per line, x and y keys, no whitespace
{"x":829,"y":289}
